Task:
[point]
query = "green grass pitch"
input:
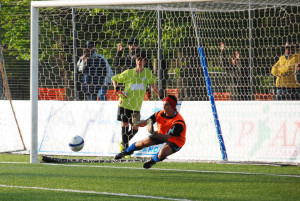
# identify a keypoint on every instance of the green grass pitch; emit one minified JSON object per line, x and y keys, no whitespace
{"x":20,"y":180}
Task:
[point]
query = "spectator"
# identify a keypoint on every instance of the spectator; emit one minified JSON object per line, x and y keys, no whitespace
{"x":224,"y":63}
{"x":96,"y":72}
{"x":287,"y":87}
{"x":171,"y":130}
{"x":237,"y":70}
{"x":241,"y":76}
{"x":298,"y":72}
{"x":131,"y":99}
{"x":128,"y":61}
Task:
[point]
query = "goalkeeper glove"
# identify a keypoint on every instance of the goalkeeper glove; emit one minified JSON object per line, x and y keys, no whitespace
{"x":150,"y":127}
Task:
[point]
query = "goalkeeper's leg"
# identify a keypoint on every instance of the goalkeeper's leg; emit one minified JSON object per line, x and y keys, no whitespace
{"x":126,"y":152}
{"x":166,"y":151}
{"x":135,"y":146}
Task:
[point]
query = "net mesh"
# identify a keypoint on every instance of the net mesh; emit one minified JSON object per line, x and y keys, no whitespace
{"x":241,"y":71}
{"x":10,"y":132}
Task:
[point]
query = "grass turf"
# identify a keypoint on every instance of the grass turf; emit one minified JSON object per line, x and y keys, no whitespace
{"x":129,"y":181}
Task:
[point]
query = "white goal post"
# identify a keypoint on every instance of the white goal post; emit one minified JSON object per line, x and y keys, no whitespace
{"x":201,"y":51}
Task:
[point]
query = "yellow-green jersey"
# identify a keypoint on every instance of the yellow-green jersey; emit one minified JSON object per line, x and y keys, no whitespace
{"x":135,"y":87}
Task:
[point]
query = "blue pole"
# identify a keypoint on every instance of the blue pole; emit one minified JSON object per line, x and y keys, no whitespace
{"x":212,"y":102}
{"x":210,"y":91}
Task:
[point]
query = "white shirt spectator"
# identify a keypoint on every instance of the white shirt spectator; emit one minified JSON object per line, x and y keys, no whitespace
{"x":81,"y":64}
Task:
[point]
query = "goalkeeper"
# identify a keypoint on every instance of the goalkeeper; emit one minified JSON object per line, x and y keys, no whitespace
{"x":171,"y":129}
{"x":131,"y":99}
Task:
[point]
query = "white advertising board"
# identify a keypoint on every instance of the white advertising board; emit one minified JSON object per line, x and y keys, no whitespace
{"x":265,"y":131}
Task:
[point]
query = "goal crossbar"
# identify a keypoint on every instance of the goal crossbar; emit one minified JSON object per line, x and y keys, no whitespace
{"x":186,"y":5}
{"x":97,"y":3}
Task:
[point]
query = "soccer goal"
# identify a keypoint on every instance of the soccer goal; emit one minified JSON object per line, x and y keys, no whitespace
{"x":215,"y":56}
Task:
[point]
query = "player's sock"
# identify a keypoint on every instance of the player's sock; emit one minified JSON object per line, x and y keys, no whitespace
{"x":130,"y":149}
{"x":155,"y":158}
{"x":152,"y":162}
{"x":125,"y":136}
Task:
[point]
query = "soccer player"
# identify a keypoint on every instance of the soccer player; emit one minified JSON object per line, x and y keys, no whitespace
{"x":128,"y":60}
{"x":171,"y":130}
{"x":131,"y":98}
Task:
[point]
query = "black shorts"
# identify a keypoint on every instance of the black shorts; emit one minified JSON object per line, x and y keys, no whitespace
{"x":124,"y":114}
{"x":174,"y":147}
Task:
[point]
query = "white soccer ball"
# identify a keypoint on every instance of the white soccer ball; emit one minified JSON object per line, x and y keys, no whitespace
{"x":76,"y":143}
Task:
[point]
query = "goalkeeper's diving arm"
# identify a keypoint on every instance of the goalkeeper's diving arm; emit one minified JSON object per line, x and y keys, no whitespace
{"x":142,"y":123}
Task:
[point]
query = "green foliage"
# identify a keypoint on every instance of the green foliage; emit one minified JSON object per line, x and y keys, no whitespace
{"x":215,"y":69}
{"x":176,"y":71}
{"x":15,"y":21}
{"x":264,"y":83}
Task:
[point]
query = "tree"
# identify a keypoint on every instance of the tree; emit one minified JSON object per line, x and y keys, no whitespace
{"x":15,"y":22}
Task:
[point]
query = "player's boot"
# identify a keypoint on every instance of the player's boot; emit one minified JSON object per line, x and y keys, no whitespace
{"x":122,"y":146}
{"x":149,"y":164}
{"x":122,"y":154}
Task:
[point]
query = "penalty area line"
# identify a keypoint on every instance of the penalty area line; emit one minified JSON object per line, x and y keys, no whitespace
{"x":179,"y":170}
{"x":92,"y":192}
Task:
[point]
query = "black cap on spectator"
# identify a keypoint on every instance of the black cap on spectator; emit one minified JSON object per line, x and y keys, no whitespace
{"x":89,"y":45}
{"x":133,"y":41}
{"x":142,"y":55}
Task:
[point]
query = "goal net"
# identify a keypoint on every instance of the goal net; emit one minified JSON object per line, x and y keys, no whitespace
{"x":10,"y":132}
{"x":241,"y":40}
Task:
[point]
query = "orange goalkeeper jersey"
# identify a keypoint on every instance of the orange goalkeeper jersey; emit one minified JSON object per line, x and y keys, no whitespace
{"x":164,"y":125}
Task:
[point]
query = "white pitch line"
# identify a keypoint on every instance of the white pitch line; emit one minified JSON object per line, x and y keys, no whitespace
{"x":92,"y":192}
{"x":180,"y":170}
{"x":175,"y":170}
